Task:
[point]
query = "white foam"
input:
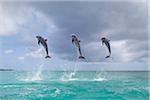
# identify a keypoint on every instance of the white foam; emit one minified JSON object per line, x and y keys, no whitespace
{"x":68,"y":76}
{"x":56,"y":92}
{"x":99,"y":79}
{"x":34,"y":76}
{"x":100,"y":76}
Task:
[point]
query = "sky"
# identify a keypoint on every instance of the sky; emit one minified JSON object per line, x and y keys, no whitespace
{"x":124,"y":23}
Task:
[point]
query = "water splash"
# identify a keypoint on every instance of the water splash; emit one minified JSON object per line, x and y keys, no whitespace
{"x":70,"y":76}
{"x":56,"y":92}
{"x":78,"y":76}
{"x":34,"y":76}
{"x":100,"y":76}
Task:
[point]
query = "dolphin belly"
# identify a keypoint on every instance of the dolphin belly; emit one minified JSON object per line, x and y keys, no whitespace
{"x":108,"y":46}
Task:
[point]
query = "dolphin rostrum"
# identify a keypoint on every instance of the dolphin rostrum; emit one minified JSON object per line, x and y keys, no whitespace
{"x":42,"y":41}
{"x":76,"y":41}
{"x":106,"y":41}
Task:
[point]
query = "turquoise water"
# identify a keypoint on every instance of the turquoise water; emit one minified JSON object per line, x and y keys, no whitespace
{"x":45,"y":85}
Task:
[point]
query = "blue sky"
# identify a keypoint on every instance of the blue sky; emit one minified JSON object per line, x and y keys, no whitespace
{"x":124,"y":23}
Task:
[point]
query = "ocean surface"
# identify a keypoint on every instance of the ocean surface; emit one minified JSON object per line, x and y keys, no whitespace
{"x":67,"y":85}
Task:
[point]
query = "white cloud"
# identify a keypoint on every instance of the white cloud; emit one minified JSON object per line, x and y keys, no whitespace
{"x":21,"y":58}
{"x":32,"y":53}
{"x":35,"y":54}
{"x":120,"y":51}
{"x":9,"y":51}
{"x":11,"y":18}
{"x":23,"y":18}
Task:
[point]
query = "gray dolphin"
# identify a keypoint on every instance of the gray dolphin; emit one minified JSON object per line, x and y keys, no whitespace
{"x":76,"y":41}
{"x":106,"y":41}
{"x":42,"y":41}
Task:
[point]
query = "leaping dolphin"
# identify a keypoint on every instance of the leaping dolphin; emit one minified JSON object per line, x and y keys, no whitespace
{"x":42,"y":41}
{"x":106,"y":41}
{"x":76,"y":41}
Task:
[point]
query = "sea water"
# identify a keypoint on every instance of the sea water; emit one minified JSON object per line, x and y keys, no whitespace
{"x":60,"y":85}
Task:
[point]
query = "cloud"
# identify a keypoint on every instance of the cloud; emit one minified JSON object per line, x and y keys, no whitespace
{"x":27,"y":22}
{"x":9,"y":51}
{"x":11,"y":18}
{"x":32,"y":53}
{"x":7,"y":25}
{"x":121,"y":51}
{"x":35,"y":54}
{"x":21,"y":58}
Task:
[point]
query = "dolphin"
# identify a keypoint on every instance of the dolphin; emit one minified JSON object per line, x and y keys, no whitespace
{"x":42,"y":41}
{"x":76,"y":41}
{"x":106,"y":41}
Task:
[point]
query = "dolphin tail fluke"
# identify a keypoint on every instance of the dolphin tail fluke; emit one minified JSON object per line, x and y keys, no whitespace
{"x":81,"y":57}
{"x":107,"y":56}
{"x":47,"y":56}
